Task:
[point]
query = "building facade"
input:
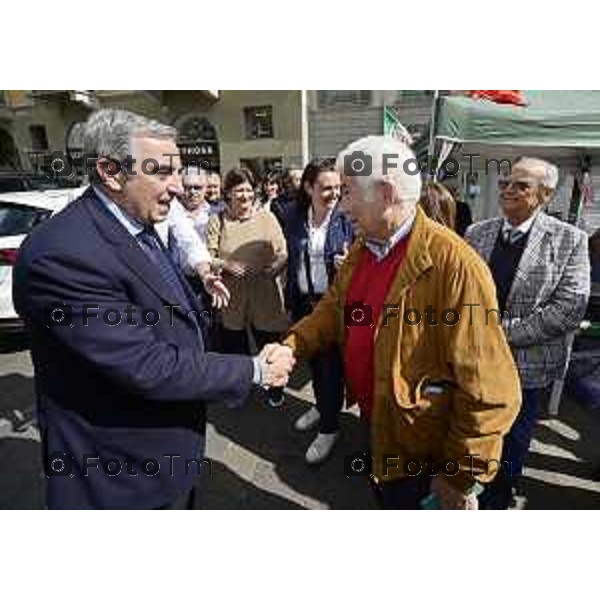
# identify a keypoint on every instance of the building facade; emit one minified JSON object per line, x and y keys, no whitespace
{"x":221,"y":129}
{"x":258,"y":129}
{"x":337,"y":117}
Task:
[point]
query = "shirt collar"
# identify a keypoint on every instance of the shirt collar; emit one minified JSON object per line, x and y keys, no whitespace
{"x":523,"y":227}
{"x":133,"y":226}
{"x":381,"y":250}
{"x":325,"y":223}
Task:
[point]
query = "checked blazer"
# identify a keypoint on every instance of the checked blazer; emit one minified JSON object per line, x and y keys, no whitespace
{"x":548,"y":296}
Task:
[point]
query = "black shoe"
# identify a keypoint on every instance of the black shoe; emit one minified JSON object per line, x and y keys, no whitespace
{"x":275,"y":397}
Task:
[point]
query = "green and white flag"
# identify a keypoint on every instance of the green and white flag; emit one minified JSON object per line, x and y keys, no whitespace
{"x":393,"y":127}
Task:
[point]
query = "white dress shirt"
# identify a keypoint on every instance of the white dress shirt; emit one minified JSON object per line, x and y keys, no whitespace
{"x":524,"y":227}
{"x":192,"y":247}
{"x":316,"y":253}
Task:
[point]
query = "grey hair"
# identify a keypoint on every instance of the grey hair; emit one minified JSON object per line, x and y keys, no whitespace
{"x":194,"y":169}
{"x":108,"y":133}
{"x":549,"y":178}
{"x":390,"y":155}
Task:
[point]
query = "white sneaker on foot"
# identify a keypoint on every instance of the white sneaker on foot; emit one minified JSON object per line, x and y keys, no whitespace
{"x":308,"y":420}
{"x":321,"y":448}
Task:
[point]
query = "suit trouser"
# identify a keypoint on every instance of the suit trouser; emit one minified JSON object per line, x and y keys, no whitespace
{"x":498,"y":494}
{"x":403,"y":494}
{"x":406,"y":493}
{"x":188,"y":501}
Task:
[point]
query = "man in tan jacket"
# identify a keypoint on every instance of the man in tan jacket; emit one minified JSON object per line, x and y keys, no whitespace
{"x":413,"y":309}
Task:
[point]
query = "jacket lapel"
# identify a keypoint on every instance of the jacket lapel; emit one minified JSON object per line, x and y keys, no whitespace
{"x":129,"y":251}
{"x":529,"y":258}
{"x":488,"y":239}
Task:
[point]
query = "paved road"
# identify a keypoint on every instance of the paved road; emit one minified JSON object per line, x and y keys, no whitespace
{"x":257,"y":458}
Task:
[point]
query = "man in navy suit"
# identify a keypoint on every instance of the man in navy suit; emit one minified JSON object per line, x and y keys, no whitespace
{"x":122,"y":371}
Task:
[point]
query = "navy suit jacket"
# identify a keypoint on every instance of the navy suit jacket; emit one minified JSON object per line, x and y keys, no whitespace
{"x":132,"y":395}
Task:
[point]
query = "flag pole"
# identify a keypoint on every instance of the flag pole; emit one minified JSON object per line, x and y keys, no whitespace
{"x":432,"y":126}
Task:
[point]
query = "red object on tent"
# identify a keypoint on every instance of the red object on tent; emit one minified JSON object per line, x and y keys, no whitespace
{"x":500,"y":96}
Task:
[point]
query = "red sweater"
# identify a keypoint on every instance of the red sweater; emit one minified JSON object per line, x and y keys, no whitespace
{"x":370,"y":284}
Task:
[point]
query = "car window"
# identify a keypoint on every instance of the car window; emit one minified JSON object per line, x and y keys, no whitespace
{"x":16,"y":219}
{"x":12,"y":185}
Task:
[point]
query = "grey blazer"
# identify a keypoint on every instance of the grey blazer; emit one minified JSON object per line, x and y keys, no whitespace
{"x":548,"y":297}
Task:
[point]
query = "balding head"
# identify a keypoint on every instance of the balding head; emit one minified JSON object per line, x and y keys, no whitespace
{"x":546,"y":173}
{"x":527,"y":188}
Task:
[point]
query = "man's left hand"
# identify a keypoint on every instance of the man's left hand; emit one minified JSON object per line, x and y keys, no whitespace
{"x":452,"y":498}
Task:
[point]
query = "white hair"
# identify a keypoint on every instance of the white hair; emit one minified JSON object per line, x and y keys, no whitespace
{"x":193,"y":169}
{"x":391,"y":160}
{"x":108,"y":133}
{"x":549,"y":178}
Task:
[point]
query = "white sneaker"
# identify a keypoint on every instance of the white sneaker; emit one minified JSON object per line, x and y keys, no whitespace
{"x":308,"y":420}
{"x":321,"y":448}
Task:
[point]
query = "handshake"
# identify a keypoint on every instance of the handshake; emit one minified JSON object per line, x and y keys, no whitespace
{"x":276,"y":362}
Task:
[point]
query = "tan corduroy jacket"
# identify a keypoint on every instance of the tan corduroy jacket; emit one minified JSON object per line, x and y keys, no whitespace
{"x":444,"y":395}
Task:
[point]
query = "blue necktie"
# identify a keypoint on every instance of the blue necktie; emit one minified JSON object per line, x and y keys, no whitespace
{"x":512,"y":236}
{"x":154,"y":248}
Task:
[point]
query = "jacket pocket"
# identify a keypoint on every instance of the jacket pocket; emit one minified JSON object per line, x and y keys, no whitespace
{"x":427,"y":394}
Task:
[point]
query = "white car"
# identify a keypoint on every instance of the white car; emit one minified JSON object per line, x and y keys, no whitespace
{"x":20,"y":212}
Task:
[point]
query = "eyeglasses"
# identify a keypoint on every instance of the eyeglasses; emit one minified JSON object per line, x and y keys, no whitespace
{"x":519,"y":186}
{"x":193,"y":189}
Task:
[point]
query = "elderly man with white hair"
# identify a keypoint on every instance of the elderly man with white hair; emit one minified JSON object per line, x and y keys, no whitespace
{"x":436,"y":386}
{"x":542,"y":273}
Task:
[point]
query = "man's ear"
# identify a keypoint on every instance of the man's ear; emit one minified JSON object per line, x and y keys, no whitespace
{"x":544,"y":195}
{"x":388,"y":192}
{"x":111,"y":175}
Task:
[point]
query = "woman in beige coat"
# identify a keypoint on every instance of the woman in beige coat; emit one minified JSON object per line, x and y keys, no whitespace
{"x":250,"y":248}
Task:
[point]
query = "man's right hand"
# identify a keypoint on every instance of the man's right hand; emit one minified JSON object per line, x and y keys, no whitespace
{"x":277,"y":362}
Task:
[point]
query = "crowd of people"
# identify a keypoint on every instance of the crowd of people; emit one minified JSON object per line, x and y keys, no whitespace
{"x":314,"y":264}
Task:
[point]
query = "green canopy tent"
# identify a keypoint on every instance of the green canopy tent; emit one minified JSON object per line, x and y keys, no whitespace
{"x":551,"y":119}
{"x":562,"y":126}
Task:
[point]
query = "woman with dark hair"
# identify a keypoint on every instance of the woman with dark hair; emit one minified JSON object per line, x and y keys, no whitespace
{"x":250,"y":248}
{"x":438,"y":204}
{"x":270,"y":189}
{"x":318,"y":236}
{"x":291,"y":185}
